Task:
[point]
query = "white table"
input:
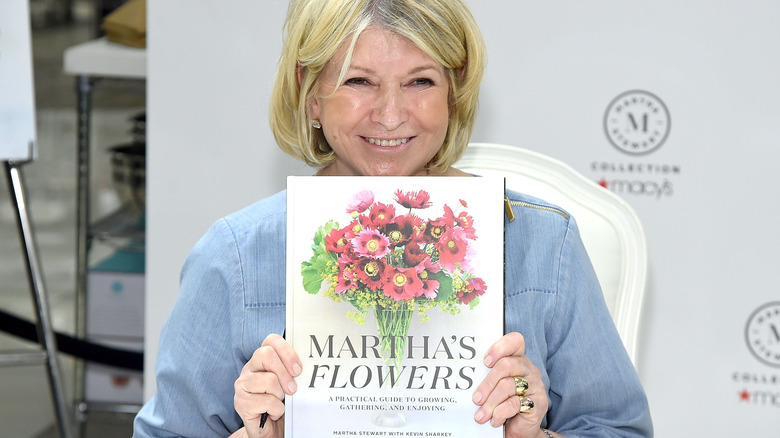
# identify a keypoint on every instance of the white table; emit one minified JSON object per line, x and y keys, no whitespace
{"x":102,"y":58}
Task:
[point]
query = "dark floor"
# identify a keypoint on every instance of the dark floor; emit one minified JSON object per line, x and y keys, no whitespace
{"x":50,"y":181}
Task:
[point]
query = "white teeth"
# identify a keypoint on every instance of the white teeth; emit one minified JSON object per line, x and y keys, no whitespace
{"x":391,"y":143}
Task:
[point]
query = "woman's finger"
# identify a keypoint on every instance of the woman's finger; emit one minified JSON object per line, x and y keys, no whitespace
{"x":511,"y":345}
{"x":259,"y":382}
{"x":287,"y":355}
{"x":523,"y":395}
{"x":275,"y":356}
{"x":500,"y":385}
{"x":251,"y":407}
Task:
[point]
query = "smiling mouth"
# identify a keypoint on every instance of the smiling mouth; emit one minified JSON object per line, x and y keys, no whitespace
{"x":386,"y":142}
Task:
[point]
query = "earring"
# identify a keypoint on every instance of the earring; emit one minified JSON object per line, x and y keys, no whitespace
{"x":316,"y":124}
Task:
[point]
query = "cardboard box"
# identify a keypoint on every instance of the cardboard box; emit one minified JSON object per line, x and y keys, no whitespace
{"x":115,"y":318}
{"x":115,"y":305}
{"x":107,"y":384}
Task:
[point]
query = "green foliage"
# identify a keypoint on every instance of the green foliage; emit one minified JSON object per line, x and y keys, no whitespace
{"x":446,"y":291}
{"x":321,"y":260}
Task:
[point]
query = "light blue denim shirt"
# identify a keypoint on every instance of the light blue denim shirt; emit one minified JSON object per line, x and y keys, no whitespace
{"x":233,"y":295}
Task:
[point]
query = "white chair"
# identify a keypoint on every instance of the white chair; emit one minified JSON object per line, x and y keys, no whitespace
{"x":611,"y":230}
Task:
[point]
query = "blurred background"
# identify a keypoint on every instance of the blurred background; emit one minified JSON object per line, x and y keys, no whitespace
{"x":50,"y":180}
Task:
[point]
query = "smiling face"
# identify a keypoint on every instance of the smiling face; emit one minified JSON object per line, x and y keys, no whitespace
{"x":389,"y":116}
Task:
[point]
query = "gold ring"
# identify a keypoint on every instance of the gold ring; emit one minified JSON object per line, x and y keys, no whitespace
{"x":526,"y":405}
{"x":521,"y":386}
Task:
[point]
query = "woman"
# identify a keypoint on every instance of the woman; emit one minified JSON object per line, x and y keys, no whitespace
{"x":383,"y":87}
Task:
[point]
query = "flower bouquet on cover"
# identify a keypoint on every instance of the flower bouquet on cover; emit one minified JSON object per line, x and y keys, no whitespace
{"x":394,"y":260}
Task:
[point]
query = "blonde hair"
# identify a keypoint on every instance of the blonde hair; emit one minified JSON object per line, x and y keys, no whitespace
{"x":445,"y":30}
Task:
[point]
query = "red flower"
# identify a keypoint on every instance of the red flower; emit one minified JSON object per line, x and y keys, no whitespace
{"x":380,"y":215}
{"x":362,"y":200}
{"x":361,"y":223}
{"x":403,"y":229}
{"x":463,"y":203}
{"x":434,"y":229}
{"x":419,"y":199}
{"x":371,"y":272}
{"x":473,"y":288}
{"x":370,"y":243}
{"x":452,"y":249}
{"x":338,"y":240}
{"x":403,"y":284}
{"x":463,"y":220}
{"x":414,"y":256}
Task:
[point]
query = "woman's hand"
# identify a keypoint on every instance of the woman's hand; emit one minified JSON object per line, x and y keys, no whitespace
{"x":262,"y":386}
{"x":497,"y":395}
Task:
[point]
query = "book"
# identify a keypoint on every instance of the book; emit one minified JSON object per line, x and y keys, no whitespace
{"x":394,"y":294}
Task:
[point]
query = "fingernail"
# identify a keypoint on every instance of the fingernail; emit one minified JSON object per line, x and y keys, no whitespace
{"x":292,"y":387}
{"x":477,"y":397}
{"x":296,"y":368}
{"x":488,"y":361}
{"x":478,"y":416}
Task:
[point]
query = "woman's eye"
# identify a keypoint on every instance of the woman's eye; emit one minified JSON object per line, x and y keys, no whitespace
{"x":357,"y":81}
{"x":422,"y":81}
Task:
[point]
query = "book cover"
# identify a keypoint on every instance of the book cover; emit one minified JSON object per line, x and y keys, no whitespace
{"x":394,"y":293}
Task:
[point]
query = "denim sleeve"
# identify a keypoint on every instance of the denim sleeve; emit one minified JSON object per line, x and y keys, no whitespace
{"x":594,"y":389}
{"x":200,"y":355}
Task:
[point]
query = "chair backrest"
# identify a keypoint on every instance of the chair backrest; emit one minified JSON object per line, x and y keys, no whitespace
{"x":610,"y":229}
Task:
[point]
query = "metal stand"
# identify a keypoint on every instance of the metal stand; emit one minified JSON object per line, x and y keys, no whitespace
{"x":48,"y":354}
{"x":84,"y":93}
{"x":84,"y":239}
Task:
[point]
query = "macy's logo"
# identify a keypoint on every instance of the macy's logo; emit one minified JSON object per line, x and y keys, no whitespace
{"x":656,"y":189}
{"x":760,"y":398}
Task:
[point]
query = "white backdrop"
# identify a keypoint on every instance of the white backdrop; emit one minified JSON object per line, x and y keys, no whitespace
{"x":707,"y":195}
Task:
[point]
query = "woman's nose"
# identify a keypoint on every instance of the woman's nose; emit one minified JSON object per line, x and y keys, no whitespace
{"x":390,"y":108}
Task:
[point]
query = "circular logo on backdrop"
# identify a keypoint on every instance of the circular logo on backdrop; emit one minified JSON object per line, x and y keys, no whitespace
{"x":762,"y":334}
{"x":637,"y":122}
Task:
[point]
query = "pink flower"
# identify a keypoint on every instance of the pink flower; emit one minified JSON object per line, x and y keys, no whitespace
{"x":429,"y":266}
{"x":403,"y":284}
{"x":361,"y":201}
{"x":346,"y":280}
{"x":371,"y":243}
{"x":430,"y":287}
{"x":419,"y":199}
